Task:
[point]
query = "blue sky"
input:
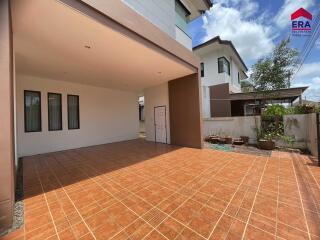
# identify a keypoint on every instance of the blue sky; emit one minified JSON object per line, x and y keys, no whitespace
{"x":255,"y":27}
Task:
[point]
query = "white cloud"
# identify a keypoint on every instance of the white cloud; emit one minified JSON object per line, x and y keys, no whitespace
{"x":246,"y":7}
{"x":312,"y":93}
{"x":309,"y":70}
{"x":282,"y":19}
{"x":228,"y":19}
{"x":316,"y":80}
{"x":309,"y":75}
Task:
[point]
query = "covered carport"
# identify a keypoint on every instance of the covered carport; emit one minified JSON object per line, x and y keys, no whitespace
{"x":83,"y":48}
{"x":69,"y":48}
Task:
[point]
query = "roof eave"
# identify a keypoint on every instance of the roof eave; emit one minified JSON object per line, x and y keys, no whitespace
{"x":225,"y":42}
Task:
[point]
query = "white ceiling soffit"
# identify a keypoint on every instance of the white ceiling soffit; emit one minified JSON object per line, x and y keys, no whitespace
{"x":54,"y":41}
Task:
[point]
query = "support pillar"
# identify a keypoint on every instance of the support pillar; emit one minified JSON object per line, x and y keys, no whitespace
{"x":185,"y":111}
{"x":6,"y":122}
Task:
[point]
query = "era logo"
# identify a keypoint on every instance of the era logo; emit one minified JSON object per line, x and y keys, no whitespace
{"x":301,"y":22}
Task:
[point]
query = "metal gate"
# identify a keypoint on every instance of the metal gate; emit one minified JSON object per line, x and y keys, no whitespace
{"x":318,"y":135}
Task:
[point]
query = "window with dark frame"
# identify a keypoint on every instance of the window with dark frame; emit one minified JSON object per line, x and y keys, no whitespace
{"x":202,"y":69}
{"x":32,"y":111}
{"x":223,"y":65}
{"x":73,"y":112}
{"x":54,"y":111}
{"x":238,"y":77}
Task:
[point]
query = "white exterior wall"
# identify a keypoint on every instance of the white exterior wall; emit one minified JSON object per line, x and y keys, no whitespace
{"x":153,"y":97}
{"x":160,"y":13}
{"x":183,"y":38}
{"x":235,"y":87}
{"x":105,"y":116}
{"x":212,"y":77}
{"x":206,"y":111}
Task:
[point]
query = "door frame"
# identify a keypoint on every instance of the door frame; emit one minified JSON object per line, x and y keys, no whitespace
{"x":165,"y":122}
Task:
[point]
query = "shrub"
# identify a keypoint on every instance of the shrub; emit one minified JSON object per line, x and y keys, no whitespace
{"x":302,"y":109}
{"x":274,"y":110}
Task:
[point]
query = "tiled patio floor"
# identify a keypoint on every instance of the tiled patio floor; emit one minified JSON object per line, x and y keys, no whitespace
{"x":139,"y":190}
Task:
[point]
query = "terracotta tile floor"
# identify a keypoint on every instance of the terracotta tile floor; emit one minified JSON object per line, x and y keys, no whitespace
{"x":140,"y":190}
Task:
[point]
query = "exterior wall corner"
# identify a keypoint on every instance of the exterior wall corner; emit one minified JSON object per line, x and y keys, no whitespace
{"x":7,"y":122}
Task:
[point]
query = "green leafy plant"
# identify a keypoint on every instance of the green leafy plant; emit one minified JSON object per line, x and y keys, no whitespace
{"x":303,"y":109}
{"x":290,"y":140}
{"x":268,"y":136}
{"x":274,"y":110}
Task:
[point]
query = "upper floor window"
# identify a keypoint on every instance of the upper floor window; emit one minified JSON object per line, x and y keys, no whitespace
{"x":182,"y":16}
{"x":223,"y":65}
{"x":238,"y":77}
{"x":32,"y":111}
{"x":202,"y":69}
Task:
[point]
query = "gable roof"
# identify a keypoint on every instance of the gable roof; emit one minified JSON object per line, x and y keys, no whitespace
{"x":224,"y":42}
{"x":301,"y":12}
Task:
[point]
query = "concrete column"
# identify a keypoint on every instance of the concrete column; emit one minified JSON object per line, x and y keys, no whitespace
{"x":6,"y":122}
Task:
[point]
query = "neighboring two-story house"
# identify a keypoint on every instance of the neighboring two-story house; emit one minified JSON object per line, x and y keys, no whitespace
{"x":72,"y":71}
{"x":221,"y":67}
{"x":222,"y":72}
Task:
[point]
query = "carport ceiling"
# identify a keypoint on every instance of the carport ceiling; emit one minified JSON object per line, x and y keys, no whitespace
{"x":52,"y":40}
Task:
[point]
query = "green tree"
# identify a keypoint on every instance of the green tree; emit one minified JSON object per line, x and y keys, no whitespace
{"x":275,"y":71}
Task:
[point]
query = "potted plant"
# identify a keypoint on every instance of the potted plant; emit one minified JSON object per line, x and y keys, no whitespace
{"x":238,"y":141}
{"x":212,"y":139}
{"x":245,"y":139}
{"x":266,"y":142}
{"x":226,"y":139}
{"x":222,"y":140}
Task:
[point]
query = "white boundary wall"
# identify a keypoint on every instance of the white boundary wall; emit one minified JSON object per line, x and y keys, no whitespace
{"x":232,"y":126}
{"x":296,"y":125}
{"x":312,"y":143}
{"x":302,"y":126}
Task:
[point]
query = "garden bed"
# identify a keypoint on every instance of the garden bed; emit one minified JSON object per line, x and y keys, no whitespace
{"x":246,"y":149}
